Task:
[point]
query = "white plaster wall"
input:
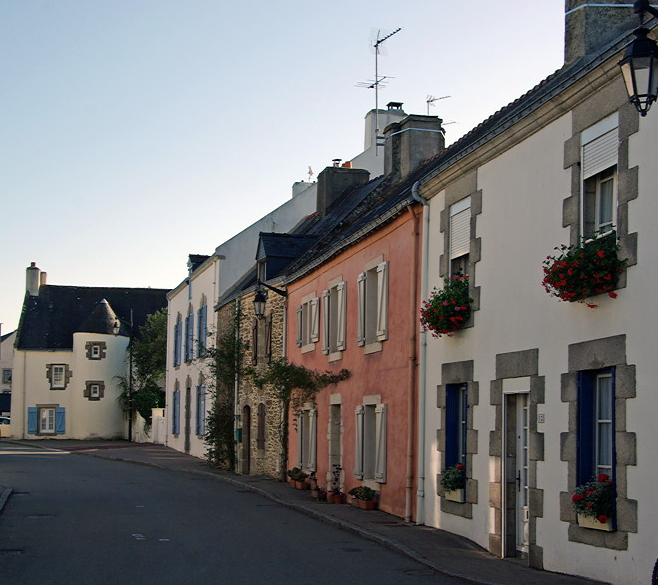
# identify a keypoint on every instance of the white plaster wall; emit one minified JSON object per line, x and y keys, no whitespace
{"x":204,"y":282}
{"x":104,"y":418}
{"x":520,"y":224}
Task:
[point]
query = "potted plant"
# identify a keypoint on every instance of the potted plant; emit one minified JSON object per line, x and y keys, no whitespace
{"x":576,"y":273}
{"x":298,"y":478}
{"x":335,"y":495}
{"x":447,"y":310}
{"x":593,"y":503}
{"x":364,"y":497}
{"x":452,"y":481}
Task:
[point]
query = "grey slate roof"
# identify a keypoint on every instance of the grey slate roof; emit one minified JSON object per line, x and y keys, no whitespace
{"x":49,"y":320}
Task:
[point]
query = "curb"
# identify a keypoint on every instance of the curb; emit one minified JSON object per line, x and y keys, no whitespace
{"x":4,"y":496}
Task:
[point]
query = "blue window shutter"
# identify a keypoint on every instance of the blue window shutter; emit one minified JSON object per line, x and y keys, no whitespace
{"x":203,"y":410}
{"x":585,"y":434}
{"x":60,"y":420}
{"x":197,"y":430}
{"x":204,"y":328}
{"x":452,"y":425}
{"x":190,"y":341}
{"x":32,"y":420}
{"x":175,"y":412}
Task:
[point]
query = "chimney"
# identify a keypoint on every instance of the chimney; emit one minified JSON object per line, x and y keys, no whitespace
{"x":33,"y":279}
{"x":411,"y":142}
{"x":334,"y":181}
{"x":588,"y":27}
{"x":392,"y":113}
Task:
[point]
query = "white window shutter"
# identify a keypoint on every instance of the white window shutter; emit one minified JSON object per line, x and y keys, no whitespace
{"x":314,"y":316}
{"x":460,"y":233}
{"x":300,"y":324}
{"x":300,"y":440}
{"x":312,"y":439}
{"x":341,"y":317}
{"x":380,"y":447}
{"x":382,"y":301}
{"x":600,"y":154}
{"x":358,"y":442}
{"x":361,"y":309}
{"x":325,"y":321}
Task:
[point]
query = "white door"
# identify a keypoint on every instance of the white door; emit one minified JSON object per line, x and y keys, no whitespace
{"x":522,"y":512}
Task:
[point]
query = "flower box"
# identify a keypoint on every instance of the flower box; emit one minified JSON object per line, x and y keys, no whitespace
{"x":593,"y":523}
{"x":447,"y":310}
{"x":454,"y":496}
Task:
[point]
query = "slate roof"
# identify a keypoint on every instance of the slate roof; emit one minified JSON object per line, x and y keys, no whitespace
{"x":6,"y":335}
{"x":49,"y":320}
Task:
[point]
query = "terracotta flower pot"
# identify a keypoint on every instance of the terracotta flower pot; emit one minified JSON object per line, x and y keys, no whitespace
{"x":366,"y":504}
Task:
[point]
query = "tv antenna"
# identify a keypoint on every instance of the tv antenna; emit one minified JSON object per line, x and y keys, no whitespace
{"x":376,"y":44}
{"x":431,"y":99}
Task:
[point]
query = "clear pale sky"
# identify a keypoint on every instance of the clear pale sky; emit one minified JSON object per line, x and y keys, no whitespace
{"x":136,"y":132}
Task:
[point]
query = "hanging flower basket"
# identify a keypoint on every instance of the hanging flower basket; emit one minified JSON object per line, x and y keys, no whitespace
{"x":579,"y":272}
{"x":593,"y":503}
{"x":448,"y":309}
{"x":452,"y":481}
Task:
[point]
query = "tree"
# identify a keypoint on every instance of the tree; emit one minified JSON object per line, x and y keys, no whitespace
{"x":149,"y":355}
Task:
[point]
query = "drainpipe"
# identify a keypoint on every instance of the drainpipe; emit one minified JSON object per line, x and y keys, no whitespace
{"x":411,"y":394}
{"x":236,"y":385}
{"x":422,"y":375}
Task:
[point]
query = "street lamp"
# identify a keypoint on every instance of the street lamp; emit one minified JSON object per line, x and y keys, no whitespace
{"x":639,"y":67}
{"x":260,"y":300}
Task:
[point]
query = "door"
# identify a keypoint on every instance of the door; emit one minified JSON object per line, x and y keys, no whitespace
{"x":335,"y":446}
{"x":522,"y":510}
{"x":246,"y":440}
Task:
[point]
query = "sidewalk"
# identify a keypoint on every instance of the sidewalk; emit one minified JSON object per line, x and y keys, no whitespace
{"x":444,"y":552}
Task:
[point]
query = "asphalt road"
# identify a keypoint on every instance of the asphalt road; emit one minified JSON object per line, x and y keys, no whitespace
{"x":76,"y":520}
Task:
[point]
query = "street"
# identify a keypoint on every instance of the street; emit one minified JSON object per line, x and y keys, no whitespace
{"x":83,"y":520}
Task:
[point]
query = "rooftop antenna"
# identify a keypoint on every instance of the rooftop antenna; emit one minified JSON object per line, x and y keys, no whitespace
{"x":374,"y":84}
{"x":310,"y":174}
{"x":431,"y":99}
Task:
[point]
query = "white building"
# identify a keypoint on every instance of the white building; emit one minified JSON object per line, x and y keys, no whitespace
{"x":6,"y":367}
{"x":67,"y":358}
{"x":535,"y":396}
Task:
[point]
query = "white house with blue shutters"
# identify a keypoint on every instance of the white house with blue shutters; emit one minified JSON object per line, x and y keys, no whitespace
{"x":537,"y":396}
{"x":71,"y":345}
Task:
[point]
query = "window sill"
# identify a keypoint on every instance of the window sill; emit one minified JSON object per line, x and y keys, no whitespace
{"x":372,"y":347}
{"x":308,"y":347}
{"x":334,"y":357}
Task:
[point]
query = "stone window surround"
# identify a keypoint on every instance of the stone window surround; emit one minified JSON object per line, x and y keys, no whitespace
{"x":584,"y":116}
{"x":101,"y":390}
{"x":464,"y":187}
{"x":517,"y":364}
{"x":102,"y":345}
{"x":459,"y":373}
{"x":595,"y":355}
{"x":67,"y":376}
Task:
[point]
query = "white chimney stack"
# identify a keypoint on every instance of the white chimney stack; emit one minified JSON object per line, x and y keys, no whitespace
{"x":33,"y":279}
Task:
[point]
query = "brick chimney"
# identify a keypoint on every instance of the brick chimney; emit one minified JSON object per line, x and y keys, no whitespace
{"x":588,"y":28}
{"x":333,"y":181}
{"x":410,"y":142}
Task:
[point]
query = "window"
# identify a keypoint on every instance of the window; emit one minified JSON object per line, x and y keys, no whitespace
{"x":307,"y":439}
{"x":334,"y":319}
{"x":95,"y":353}
{"x":370,"y":444}
{"x":6,"y":376}
{"x":261,"y":340}
{"x":599,"y":145}
{"x":460,"y":236}
{"x":201,"y":410}
{"x":260,"y":429}
{"x":46,"y":420}
{"x":456,"y":424}
{"x":308,"y":324}
{"x":175,"y":412}
{"x":94,"y":390}
{"x":189,"y":336}
{"x":202,"y":331}
{"x":178,"y":338}
{"x":596,"y":424}
{"x":58,"y":375}
{"x":372,"y":293}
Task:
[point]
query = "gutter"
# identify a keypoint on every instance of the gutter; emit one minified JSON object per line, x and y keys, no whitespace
{"x":422,"y":375}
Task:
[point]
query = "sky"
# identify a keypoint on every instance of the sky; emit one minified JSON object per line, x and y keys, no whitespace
{"x":136,"y":132}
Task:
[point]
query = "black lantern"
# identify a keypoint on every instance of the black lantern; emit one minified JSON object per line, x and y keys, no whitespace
{"x":639,"y":67}
{"x":260,"y":299}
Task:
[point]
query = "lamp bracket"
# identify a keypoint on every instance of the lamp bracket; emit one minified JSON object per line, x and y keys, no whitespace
{"x":278,"y":291}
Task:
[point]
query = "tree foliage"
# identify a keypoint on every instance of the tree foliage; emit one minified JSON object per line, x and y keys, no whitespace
{"x":224,"y":363}
{"x":149,"y":355}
